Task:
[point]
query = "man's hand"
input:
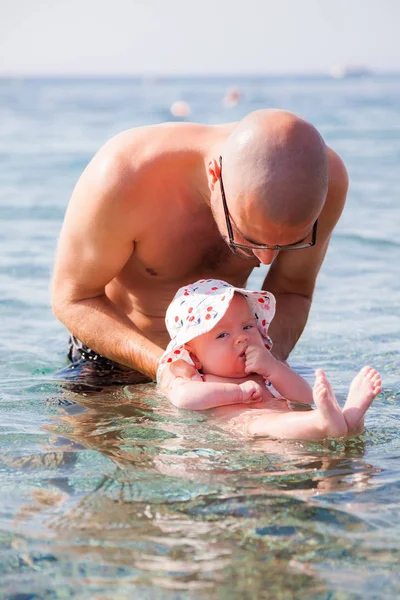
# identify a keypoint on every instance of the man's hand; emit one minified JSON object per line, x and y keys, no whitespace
{"x":259,"y":360}
{"x":251,"y":391}
{"x":178,"y":368}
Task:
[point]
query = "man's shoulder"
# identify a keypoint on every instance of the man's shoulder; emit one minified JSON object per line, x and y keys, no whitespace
{"x":338,"y":176}
{"x":129,"y":153}
{"x":336,"y":196}
{"x":150,"y":140}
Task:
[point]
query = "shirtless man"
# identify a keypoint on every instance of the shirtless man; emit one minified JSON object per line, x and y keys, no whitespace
{"x":162,"y":206}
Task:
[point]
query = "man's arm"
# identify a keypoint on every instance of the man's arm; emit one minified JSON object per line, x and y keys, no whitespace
{"x":292,"y":276}
{"x":102,"y":221}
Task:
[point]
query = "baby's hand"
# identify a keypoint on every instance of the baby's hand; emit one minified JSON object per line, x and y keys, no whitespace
{"x":259,"y":360}
{"x":251,"y":392}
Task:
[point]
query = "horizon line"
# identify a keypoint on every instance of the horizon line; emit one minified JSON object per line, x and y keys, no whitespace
{"x":155,"y":75}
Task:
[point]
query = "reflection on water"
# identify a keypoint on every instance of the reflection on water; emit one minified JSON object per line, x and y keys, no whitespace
{"x":133,"y":493}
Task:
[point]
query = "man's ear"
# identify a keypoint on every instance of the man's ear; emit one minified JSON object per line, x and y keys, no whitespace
{"x":194,"y":358}
{"x":213,"y":173}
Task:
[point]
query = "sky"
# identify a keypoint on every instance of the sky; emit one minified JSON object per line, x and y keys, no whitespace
{"x":177,"y":37}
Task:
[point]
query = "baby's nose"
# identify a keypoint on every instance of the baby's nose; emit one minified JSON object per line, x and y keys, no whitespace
{"x":242,"y":338}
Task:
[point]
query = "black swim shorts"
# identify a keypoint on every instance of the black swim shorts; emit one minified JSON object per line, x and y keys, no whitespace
{"x":92,"y":368}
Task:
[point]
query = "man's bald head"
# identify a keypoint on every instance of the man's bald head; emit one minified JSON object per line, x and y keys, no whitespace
{"x":276,"y":163}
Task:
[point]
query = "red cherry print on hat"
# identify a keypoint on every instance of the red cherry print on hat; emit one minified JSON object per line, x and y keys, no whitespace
{"x":176,"y":319}
{"x":261,"y":300}
{"x":177,"y":351}
{"x":263,"y":322}
{"x":190,"y":309}
{"x":169,"y":360}
{"x":190,"y":319}
{"x":208,"y":316}
{"x":209,"y":308}
{"x":214,"y":288}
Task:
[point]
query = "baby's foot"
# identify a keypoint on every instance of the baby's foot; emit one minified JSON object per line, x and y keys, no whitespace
{"x":365,"y":386}
{"x":332,"y":420}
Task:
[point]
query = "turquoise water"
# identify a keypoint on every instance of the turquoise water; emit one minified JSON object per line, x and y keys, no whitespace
{"x":116,"y":494}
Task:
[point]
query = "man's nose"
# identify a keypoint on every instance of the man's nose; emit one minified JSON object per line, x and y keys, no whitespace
{"x":266,"y":257}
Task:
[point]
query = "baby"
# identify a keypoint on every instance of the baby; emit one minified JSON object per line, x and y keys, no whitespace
{"x":219,"y":338}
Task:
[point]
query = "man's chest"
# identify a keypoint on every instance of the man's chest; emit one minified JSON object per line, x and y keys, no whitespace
{"x":186,"y":255}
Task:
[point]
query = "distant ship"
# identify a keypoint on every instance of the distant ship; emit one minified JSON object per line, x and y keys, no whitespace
{"x":342,"y":71}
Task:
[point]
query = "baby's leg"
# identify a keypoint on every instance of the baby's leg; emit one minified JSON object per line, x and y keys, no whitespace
{"x":331,"y":416}
{"x":326,"y":421}
{"x":363,"y":389}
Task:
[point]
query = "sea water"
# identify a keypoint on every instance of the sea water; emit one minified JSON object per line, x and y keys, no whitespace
{"x":115,"y":493}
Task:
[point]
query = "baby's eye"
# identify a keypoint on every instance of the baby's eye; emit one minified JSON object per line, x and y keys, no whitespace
{"x":221,"y":335}
{"x":248,"y":326}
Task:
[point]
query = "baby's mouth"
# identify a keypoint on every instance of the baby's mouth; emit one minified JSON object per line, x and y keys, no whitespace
{"x":243,"y":354}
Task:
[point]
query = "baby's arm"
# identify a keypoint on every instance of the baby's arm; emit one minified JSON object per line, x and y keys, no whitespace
{"x":288,"y":383}
{"x":187,"y":390}
{"x":201,"y":395}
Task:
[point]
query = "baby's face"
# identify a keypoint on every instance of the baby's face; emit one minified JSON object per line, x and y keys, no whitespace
{"x":221,"y":351}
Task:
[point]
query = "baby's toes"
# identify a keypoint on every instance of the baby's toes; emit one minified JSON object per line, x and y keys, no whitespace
{"x":367,"y":369}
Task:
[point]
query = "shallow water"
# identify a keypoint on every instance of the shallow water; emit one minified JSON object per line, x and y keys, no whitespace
{"x":116,"y":493}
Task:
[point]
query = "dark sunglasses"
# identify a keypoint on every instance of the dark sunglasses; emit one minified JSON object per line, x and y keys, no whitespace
{"x":250,"y":247}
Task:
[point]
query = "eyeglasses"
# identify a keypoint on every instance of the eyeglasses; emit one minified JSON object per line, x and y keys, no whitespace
{"x":246,"y":250}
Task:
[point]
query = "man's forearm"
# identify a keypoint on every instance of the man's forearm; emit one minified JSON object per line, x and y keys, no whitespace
{"x":288,"y":323}
{"x":99,"y":324}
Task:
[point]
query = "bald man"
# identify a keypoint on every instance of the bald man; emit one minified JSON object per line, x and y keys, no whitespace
{"x":159,"y":207}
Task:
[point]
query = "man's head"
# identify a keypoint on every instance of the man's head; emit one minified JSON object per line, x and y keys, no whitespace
{"x":275,"y":179}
